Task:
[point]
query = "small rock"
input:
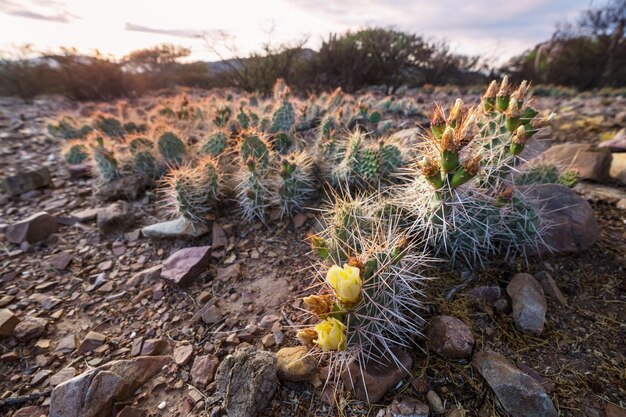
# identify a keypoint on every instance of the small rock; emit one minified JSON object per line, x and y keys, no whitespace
{"x":94,"y":392}
{"x":252,"y":373}
{"x":450,"y":337}
{"x":487,"y":294}
{"x":229,"y":273}
{"x":128,"y":187}
{"x":589,"y":162}
{"x":269,"y":340}
{"x":618,"y":167}
{"x":66,"y":344}
{"x":611,"y":410}
{"x":519,"y":394}
{"x":61,"y":261}
{"x":182,"y":354}
{"x":435,"y":402}
{"x":30,"y":328}
{"x":86,"y":215}
{"x":550,"y":288}
{"x":203,"y":369}
{"x":30,"y":411}
{"x":91,"y":341}
{"x":185,"y":265}
{"x":299,"y":220}
{"x":209,"y":314}
{"x":32,"y":229}
{"x":78,"y":171}
{"x":296,"y":365}
{"x":146,"y":276}
{"x":62,"y":376}
{"x":129,"y":411}
{"x":116,"y":217}
{"x":153,"y":347}
{"x":179,"y":228}
{"x":8,"y":322}
{"x":220,"y":240}
{"x":377,"y":377}
{"x":407,"y":407}
{"x":528,"y":304}
{"x":27,"y":181}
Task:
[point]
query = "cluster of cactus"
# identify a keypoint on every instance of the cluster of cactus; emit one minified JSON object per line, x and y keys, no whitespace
{"x":370,"y":302}
{"x":144,"y":161}
{"x":546,"y":174}
{"x":295,"y":183}
{"x":171,"y":148}
{"x":75,"y":152}
{"x":253,"y":191}
{"x":105,"y":160}
{"x":68,"y":128}
{"x":283,"y":120}
{"x":193,"y":190}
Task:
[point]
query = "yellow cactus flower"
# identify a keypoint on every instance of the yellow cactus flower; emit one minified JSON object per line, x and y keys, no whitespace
{"x":331,"y":335}
{"x":307,"y":335}
{"x":346,"y":282}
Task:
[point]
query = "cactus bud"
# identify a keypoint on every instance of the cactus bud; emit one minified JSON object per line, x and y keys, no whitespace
{"x":455,"y":112}
{"x":319,"y":245}
{"x":437,"y":123}
{"x":504,"y":95}
{"x":450,"y":154}
{"x":432,"y":172}
{"x":518,"y":141}
{"x":489,"y":99}
{"x":357,"y":263}
{"x":466,"y":172}
{"x":251,"y":164}
{"x":320,"y":305}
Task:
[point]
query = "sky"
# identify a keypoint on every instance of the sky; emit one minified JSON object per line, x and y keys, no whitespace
{"x":495,"y":29}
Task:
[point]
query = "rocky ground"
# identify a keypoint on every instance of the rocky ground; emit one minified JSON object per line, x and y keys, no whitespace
{"x":83,"y":292}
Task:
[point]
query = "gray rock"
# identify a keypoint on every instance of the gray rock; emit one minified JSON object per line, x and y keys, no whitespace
{"x":589,"y":162}
{"x":488,"y":294}
{"x":125,"y":188}
{"x":519,"y":394}
{"x":449,"y":337}
{"x":116,"y":217}
{"x":185,"y":265}
{"x":203,"y":369}
{"x":550,"y":288}
{"x":618,"y":167}
{"x":93,"y":393}
{"x":435,"y":403}
{"x":407,"y":407}
{"x":32,"y":229}
{"x":528,"y":304}
{"x":245,"y":381}
{"x":219,"y":239}
{"x":27,"y":181}
{"x":376,"y":377}
{"x":572,"y":226}
{"x":599,"y":192}
{"x":179,"y":228}
{"x":31,"y":328}
{"x":8,"y":322}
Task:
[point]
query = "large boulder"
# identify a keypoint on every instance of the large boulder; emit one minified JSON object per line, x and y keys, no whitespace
{"x":32,"y":229}
{"x":572,"y":226}
{"x":528,"y":304}
{"x":26,"y":181}
{"x":93,"y":393}
{"x":519,"y":394}
{"x":618,"y":167}
{"x":590,"y":162}
{"x":179,"y":228}
{"x":185,"y":265}
{"x":245,"y":381}
{"x":617,"y":144}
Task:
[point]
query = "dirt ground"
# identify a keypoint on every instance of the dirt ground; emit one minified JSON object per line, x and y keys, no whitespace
{"x":580,"y":359}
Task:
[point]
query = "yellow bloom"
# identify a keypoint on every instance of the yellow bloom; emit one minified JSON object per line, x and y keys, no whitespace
{"x":346,"y":282}
{"x":331,"y":335}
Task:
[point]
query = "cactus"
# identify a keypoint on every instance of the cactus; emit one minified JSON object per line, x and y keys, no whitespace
{"x":294,"y":183}
{"x":222,"y":115}
{"x":75,"y":152}
{"x":143,"y":159}
{"x":282,"y":122}
{"x":253,"y":193}
{"x":214,"y":144}
{"x":368,"y":165}
{"x":106,"y":163}
{"x":171,"y":148}
{"x":243,"y":119}
{"x":110,"y":126}
{"x":546,"y":174}
{"x":252,"y":145}
{"x":67,"y":129}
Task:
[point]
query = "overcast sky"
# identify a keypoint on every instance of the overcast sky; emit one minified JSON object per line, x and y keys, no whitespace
{"x":496,"y":29}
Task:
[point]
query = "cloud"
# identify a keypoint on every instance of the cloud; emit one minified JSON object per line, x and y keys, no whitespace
{"x":50,"y":11}
{"x":179,"y":33}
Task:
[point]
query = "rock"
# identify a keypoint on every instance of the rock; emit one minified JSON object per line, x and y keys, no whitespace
{"x":78,"y":171}
{"x":519,"y":394}
{"x":617,"y":144}
{"x":219,"y":240}
{"x":116,"y":217}
{"x":30,"y":411}
{"x":32,"y":229}
{"x":449,"y":337}
{"x":31,"y":328}
{"x":572,"y":225}
{"x":611,"y":410}
{"x":93,"y":393}
{"x":377,"y":376}
{"x":146,"y":276}
{"x":589,"y":162}
{"x":209,"y":314}
{"x":229,"y":273}
{"x":182,"y":354}
{"x":407,"y":407}
{"x":618,"y":167}
{"x":299,"y":220}
{"x":296,"y":365}
{"x":66,"y":344}
{"x":487,"y":294}
{"x":152,"y":347}
{"x":86,"y":215}
{"x":528,"y":304}
{"x":27,"y":181}
{"x":8,"y":322}
{"x":550,"y":288}
{"x":269,"y":340}
{"x":128,"y":187}
{"x":203,"y":369}
{"x":179,"y":228}
{"x":245,"y":381}
{"x":435,"y":402}
{"x":185,"y":265}
{"x":599,"y":192}
{"x":61,"y":261}
{"x":91,"y":341}
{"x":62,"y":376}
{"x":129,"y":411}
